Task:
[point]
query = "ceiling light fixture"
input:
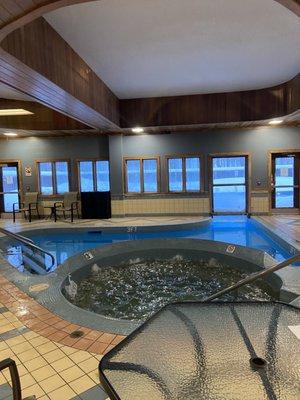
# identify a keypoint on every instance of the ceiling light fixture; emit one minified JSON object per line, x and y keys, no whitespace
{"x":10,"y":134}
{"x":276,"y":121}
{"x":137,"y":130}
{"x":14,"y":111}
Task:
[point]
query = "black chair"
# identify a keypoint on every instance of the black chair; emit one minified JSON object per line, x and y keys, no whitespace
{"x":29,"y":205}
{"x":15,"y":379}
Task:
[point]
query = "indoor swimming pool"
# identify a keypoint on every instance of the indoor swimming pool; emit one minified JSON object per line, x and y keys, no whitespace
{"x":239,"y":230}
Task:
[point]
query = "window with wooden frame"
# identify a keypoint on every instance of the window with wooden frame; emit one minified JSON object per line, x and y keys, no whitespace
{"x":94,"y":175}
{"x":184,"y":174}
{"x":53,"y":177}
{"x":142,"y":175}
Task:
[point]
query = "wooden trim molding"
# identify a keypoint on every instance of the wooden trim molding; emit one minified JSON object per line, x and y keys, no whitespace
{"x":183,"y":157}
{"x":93,"y":161}
{"x":20,"y":173}
{"x":141,"y":159}
{"x":248,"y":172}
{"x":53,"y":178}
{"x":270,"y":186}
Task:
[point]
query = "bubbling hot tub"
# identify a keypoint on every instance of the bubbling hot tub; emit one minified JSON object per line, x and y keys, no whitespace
{"x":130,"y":281}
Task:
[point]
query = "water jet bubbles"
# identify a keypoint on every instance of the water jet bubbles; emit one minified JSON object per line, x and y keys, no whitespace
{"x":95,"y":269}
{"x":213,"y":263}
{"x":134,"y":291}
{"x":135,"y":261}
{"x":178,"y":257}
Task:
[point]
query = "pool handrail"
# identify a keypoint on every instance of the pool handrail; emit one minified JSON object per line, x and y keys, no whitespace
{"x":28,"y":242}
{"x":253,"y":277}
{"x":16,"y":235}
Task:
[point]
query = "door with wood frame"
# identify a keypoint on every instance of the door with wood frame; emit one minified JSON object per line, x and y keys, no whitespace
{"x":285,"y":181}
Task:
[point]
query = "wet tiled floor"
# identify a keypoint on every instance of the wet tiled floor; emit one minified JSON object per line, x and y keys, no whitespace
{"x":47,"y":369}
{"x":52,"y":364}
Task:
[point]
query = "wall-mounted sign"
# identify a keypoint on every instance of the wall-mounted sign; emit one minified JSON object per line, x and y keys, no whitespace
{"x":28,"y":171}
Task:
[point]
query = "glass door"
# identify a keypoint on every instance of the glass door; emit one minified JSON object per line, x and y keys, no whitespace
{"x":229,"y":184}
{"x":9,"y":186}
{"x":285,"y":181}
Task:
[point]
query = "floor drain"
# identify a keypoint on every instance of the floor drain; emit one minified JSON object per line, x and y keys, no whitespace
{"x":76,"y":334}
{"x":257,"y":362}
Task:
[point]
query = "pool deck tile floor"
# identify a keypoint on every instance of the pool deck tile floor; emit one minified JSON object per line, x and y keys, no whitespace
{"x":52,"y":364}
{"x":22,"y":224}
{"x":287,"y":225}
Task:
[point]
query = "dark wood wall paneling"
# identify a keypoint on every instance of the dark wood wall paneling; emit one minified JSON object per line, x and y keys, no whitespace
{"x":55,"y":60}
{"x":42,"y":119}
{"x":250,"y":105}
{"x":293,"y":94}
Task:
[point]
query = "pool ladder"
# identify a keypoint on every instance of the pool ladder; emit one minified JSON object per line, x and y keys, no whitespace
{"x":35,"y":256}
{"x":253,"y":277}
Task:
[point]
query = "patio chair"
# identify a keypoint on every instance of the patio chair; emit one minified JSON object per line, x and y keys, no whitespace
{"x":15,"y":379}
{"x":69,"y":204}
{"x":29,"y":204}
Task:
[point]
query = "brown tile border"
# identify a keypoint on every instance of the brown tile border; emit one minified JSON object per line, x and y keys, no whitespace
{"x":52,"y":327}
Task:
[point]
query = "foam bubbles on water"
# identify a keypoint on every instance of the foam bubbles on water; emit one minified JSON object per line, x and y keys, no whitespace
{"x":135,"y":290}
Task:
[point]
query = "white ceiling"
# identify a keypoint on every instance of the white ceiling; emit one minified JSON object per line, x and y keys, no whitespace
{"x":6,"y":92}
{"x":144,"y":48}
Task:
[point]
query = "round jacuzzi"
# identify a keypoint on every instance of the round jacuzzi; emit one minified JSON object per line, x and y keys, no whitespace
{"x":130,"y":281}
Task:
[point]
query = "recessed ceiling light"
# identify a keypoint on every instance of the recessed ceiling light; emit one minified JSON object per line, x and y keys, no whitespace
{"x":276,"y":121}
{"x":14,"y":111}
{"x":137,"y":130}
{"x":10,"y":134}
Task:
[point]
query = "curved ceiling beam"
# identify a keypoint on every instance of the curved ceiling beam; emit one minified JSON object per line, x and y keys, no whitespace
{"x":292,"y":5}
{"x":13,"y":14}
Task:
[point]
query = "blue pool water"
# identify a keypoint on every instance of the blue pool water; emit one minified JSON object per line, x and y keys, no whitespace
{"x":238,"y":230}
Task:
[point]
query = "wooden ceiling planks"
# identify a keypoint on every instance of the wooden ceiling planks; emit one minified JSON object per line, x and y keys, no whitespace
{"x":42,"y":119}
{"x":54,"y":74}
{"x":58,"y":63}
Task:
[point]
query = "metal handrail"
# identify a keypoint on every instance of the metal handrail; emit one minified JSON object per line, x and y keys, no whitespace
{"x":28,"y":242}
{"x":17,"y":236}
{"x":15,"y":378}
{"x":253,"y":277}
